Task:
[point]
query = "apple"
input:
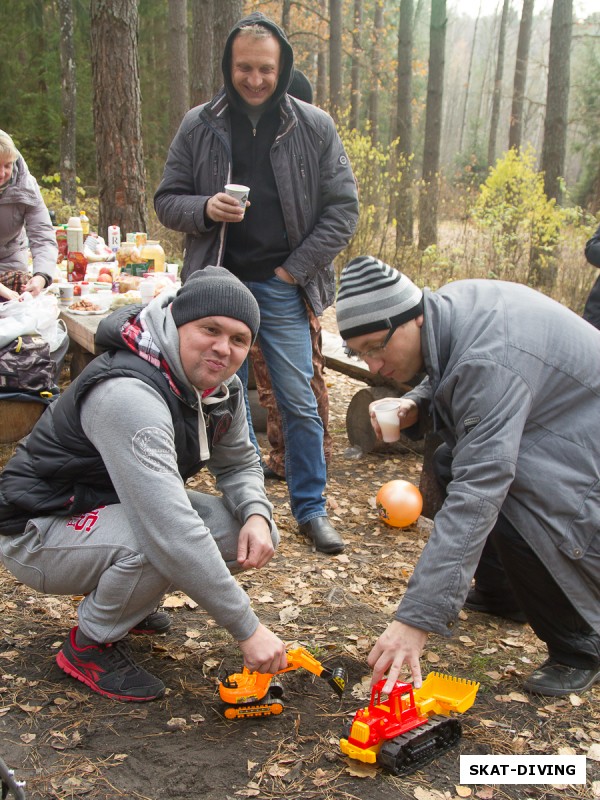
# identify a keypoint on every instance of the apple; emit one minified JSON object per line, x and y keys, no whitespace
{"x":105,"y":271}
{"x":104,"y":277}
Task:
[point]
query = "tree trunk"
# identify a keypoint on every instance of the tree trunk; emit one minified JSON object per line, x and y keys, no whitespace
{"x":515,"y":131}
{"x":118,"y":115}
{"x":68,"y":127}
{"x":202,"y":51}
{"x":356,"y":62}
{"x":179,"y":95}
{"x":286,"y":11}
{"x":428,"y":198}
{"x":468,"y":82}
{"x":403,"y":131}
{"x":557,"y":98}
{"x":321,"y":98}
{"x":335,"y":56}
{"x":225,"y":15}
{"x":375,"y":70}
{"x":497,"y":93}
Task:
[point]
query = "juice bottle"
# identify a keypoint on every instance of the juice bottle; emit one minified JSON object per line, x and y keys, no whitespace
{"x":114,"y":237}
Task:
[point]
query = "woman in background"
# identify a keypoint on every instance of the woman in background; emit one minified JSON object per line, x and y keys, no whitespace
{"x":24,"y":225}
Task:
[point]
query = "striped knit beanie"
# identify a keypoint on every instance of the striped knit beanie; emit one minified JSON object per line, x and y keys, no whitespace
{"x":373,"y":297}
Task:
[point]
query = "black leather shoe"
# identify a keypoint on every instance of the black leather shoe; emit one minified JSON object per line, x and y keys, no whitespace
{"x":270,"y":474}
{"x":487,"y":604}
{"x":557,"y":680}
{"x":323,"y":535}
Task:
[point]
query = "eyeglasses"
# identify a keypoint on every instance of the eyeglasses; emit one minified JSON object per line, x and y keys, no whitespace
{"x":372,"y":352}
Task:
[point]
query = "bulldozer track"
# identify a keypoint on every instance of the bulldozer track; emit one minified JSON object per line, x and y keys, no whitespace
{"x":410,"y":751}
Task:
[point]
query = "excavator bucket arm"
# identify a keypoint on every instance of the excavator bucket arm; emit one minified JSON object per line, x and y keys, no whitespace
{"x":300,"y":657}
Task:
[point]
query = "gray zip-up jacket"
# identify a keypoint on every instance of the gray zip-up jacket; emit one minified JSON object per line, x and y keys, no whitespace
{"x":514,"y":388}
{"x":25,"y":222}
{"x":314,"y":178}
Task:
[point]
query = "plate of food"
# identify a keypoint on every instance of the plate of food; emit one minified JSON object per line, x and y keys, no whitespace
{"x":85,"y":307}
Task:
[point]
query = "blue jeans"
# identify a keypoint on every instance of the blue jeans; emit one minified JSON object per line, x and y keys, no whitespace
{"x":284,"y":337}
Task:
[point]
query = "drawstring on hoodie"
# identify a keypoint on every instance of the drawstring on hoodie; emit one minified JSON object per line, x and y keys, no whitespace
{"x":210,"y":400}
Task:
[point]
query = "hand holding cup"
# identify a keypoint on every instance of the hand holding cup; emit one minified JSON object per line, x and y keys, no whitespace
{"x":229,"y":205}
{"x":391,"y":415}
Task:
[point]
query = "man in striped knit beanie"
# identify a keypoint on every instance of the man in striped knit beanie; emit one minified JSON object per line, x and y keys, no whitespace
{"x":512,"y":387}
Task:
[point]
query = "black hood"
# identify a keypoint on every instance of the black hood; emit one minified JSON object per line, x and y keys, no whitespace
{"x":287,"y":57}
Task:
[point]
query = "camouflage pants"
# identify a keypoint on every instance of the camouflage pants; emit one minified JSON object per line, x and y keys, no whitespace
{"x":276,"y":457}
{"x":14,"y":279}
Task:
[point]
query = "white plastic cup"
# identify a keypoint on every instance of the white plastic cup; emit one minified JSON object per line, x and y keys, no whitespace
{"x":240,"y":193}
{"x":65,"y":292}
{"x":386,"y":413}
{"x":147,"y":287}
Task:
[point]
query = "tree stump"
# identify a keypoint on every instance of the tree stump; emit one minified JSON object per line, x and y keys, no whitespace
{"x":433,"y":496}
{"x":361,"y":435}
{"x":17,"y":418}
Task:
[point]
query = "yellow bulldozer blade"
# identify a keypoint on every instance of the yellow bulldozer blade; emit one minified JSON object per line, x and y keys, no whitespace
{"x":442,"y":694}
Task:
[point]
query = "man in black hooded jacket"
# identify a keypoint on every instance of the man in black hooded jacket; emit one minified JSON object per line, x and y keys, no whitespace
{"x":303,"y":211}
{"x":591,"y":312}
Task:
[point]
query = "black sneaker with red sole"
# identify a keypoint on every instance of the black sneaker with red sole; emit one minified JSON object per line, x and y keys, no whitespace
{"x":109,"y":670}
{"x":154,"y":624}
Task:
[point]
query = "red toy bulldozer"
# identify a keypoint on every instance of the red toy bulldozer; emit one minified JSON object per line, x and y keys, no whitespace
{"x":407,"y":728}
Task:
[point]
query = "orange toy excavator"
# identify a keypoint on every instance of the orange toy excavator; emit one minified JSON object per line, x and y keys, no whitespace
{"x":257,"y":694}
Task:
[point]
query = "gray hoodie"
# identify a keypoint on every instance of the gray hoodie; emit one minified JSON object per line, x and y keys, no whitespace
{"x":131,"y":426}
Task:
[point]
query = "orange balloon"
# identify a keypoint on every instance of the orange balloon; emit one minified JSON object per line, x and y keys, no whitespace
{"x":399,"y":503}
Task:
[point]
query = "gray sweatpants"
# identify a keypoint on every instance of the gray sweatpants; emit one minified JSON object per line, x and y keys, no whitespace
{"x":99,"y":555}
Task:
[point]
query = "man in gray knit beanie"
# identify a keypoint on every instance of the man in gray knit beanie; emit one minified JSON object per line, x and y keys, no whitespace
{"x":107,"y":490}
{"x":512,"y":386}
{"x":214,"y":291}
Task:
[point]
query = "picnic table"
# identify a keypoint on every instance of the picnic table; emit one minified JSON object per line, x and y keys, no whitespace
{"x":82,"y":333}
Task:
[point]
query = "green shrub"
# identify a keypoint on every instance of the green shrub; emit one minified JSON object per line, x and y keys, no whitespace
{"x":524,"y":224}
{"x":50,"y":189}
{"x":378,"y":176}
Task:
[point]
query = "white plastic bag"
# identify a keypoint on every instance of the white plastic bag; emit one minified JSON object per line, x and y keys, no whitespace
{"x":31,"y":315}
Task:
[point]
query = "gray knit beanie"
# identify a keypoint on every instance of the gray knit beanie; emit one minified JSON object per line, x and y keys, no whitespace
{"x":373,"y":297}
{"x":215,"y":292}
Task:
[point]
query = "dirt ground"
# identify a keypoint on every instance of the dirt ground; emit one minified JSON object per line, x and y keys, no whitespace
{"x":67,"y":743}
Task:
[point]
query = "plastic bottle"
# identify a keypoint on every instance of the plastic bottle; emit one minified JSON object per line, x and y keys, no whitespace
{"x":85,"y":223}
{"x":74,"y":235}
{"x":153,"y":253}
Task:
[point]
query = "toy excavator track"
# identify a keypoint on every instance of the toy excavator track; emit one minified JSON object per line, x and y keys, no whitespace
{"x":268,"y":706}
{"x":412,"y":750}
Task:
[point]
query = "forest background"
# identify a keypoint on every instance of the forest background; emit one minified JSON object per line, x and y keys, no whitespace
{"x":472,"y":127}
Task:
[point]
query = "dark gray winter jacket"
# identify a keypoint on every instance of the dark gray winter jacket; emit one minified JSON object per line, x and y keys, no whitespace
{"x":514,"y":388}
{"x":315,"y":184}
